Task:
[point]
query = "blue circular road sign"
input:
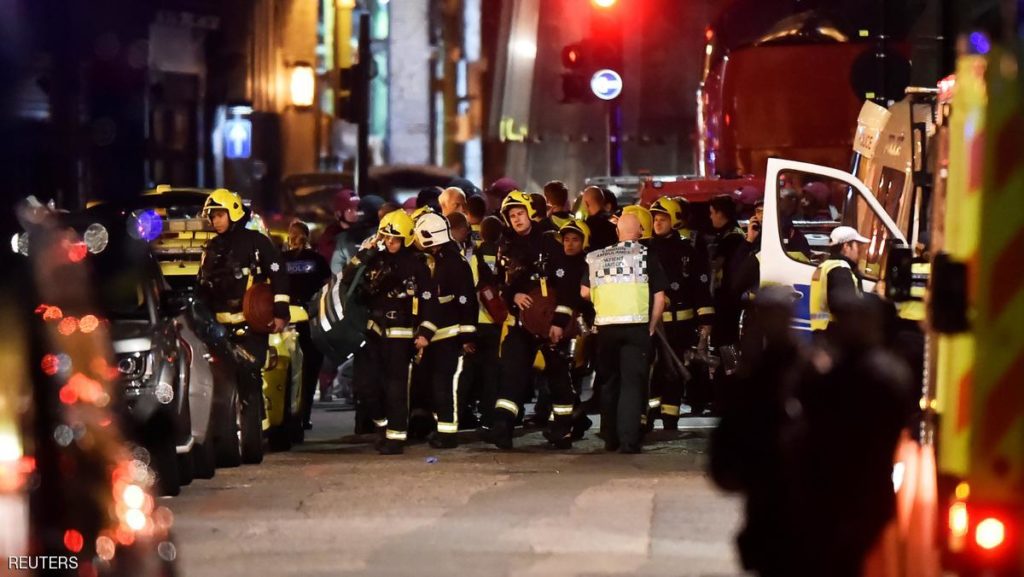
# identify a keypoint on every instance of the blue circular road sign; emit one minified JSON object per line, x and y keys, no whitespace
{"x":606,"y":84}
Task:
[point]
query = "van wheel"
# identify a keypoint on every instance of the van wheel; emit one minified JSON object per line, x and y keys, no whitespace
{"x":227,"y":443}
{"x":251,"y":425}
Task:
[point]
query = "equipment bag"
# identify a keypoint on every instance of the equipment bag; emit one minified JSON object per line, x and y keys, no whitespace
{"x":338,"y":318}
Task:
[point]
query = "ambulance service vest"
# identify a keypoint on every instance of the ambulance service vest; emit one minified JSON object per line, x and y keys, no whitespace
{"x":619,"y":284}
{"x":820,"y":314}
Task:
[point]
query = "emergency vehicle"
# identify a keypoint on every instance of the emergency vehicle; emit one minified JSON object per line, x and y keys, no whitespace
{"x":960,"y":482}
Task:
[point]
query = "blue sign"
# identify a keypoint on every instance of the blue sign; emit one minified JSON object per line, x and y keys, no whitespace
{"x":606,"y":84}
{"x":238,"y":138}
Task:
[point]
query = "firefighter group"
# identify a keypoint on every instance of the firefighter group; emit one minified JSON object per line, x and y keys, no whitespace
{"x":457,"y":317}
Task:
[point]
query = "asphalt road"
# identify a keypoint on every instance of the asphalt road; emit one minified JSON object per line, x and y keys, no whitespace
{"x":334,"y":507}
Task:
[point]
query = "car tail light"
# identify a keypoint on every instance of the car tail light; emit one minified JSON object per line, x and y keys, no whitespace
{"x":990,"y":533}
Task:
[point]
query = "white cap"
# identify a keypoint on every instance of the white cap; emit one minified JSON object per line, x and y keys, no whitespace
{"x":844,"y":234}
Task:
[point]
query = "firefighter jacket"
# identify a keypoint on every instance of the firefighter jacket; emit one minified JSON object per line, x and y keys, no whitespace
{"x":689,"y":285}
{"x":483,"y":262}
{"x":234,"y":261}
{"x":527,"y":262}
{"x":568,"y":279}
{"x":722,"y":244}
{"x":833,"y":279}
{"x":393,"y":287}
{"x":449,"y":303}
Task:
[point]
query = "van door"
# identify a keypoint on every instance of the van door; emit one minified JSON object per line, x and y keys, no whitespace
{"x":803,"y":202}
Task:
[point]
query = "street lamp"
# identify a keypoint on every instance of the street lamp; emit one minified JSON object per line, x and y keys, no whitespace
{"x":303,"y":85}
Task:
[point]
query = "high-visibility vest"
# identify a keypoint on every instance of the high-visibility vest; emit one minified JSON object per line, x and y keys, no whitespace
{"x":490,"y":260}
{"x":820,"y":314}
{"x":913,"y":309}
{"x":619,"y":284}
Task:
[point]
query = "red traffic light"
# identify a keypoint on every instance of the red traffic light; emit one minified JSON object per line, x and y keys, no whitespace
{"x":572,"y":56}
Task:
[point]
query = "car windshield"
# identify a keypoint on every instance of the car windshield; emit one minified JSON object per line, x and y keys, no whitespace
{"x":124,"y":274}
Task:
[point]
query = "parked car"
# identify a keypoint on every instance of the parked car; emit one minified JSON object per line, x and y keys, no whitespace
{"x":73,"y":491}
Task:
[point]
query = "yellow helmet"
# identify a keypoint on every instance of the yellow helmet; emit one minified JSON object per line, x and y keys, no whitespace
{"x":666,"y":205}
{"x":520,"y":199}
{"x":577,"y":226}
{"x":397,"y":223}
{"x":645,"y":218}
{"x":224,"y":199}
{"x":420,"y":212}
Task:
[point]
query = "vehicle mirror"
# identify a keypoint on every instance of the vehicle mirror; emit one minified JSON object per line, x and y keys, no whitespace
{"x":172,"y":303}
{"x":898,"y":274}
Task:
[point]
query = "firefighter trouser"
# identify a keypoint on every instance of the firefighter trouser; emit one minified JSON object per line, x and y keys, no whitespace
{"x":250,"y":371}
{"x":478,"y":385}
{"x":312,"y":361}
{"x":667,"y":385}
{"x":441,"y":368}
{"x":623,"y":356}
{"x":518,"y":351}
{"x":381,"y":376}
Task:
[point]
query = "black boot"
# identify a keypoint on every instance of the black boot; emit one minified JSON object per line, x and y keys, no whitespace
{"x":670,"y":422}
{"x":581,"y":423}
{"x":391,"y":447}
{"x":443,"y":441}
{"x":500,"y":434}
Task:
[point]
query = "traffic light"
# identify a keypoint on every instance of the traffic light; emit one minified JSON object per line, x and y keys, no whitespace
{"x":354,"y":93}
{"x":583,"y":60}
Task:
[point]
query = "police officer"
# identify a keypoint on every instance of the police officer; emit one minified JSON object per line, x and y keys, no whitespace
{"x":688,"y":306}
{"x":307,"y":272}
{"x":448,"y":327}
{"x":233,"y":261}
{"x":836,"y":278}
{"x":526,"y":262}
{"x":627,"y":286}
{"x":395,"y":283}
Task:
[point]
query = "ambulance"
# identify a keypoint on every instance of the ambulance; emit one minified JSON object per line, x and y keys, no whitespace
{"x":939,"y":193}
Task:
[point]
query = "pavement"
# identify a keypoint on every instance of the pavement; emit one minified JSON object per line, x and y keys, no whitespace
{"x":332,"y":506}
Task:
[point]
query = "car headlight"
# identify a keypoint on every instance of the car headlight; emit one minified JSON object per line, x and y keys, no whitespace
{"x":135,"y":368}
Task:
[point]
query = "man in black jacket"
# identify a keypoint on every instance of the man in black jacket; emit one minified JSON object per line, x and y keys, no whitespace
{"x":602,"y":231}
{"x":307,"y":272}
{"x":233,"y":261}
{"x":527,"y":260}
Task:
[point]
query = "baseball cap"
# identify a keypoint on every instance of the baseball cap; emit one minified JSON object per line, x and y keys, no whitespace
{"x":844,"y":234}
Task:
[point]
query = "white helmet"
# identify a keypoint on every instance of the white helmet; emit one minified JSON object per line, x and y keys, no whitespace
{"x":432,"y":229}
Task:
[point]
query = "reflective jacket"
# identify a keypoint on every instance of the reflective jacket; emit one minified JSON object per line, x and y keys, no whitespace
{"x":833,"y":279}
{"x":234,"y":261}
{"x":393,"y":287}
{"x":449,"y":304}
{"x":483,"y":262}
{"x":689,"y":285}
{"x":527,"y":262}
{"x":618,"y":279}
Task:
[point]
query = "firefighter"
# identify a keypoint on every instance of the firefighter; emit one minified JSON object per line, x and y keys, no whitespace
{"x":836,"y":278}
{"x":395,"y":285}
{"x":526,"y":261}
{"x":476,"y":212}
{"x":480,"y":370}
{"x":688,"y":306}
{"x":233,"y":261}
{"x":627,"y":286}
{"x":575,"y":237}
{"x":557,"y":196}
{"x":447,"y":330}
{"x":307,"y":272}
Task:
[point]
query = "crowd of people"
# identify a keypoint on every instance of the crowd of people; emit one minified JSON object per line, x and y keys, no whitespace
{"x":473,"y":311}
